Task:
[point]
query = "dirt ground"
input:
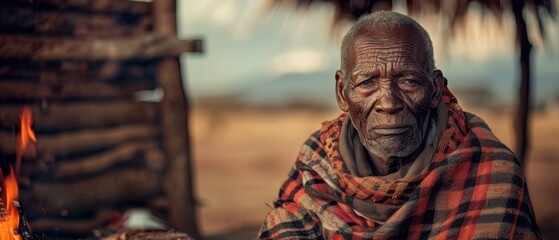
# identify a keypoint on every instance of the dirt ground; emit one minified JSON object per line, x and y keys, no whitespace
{"x":241,"y":157}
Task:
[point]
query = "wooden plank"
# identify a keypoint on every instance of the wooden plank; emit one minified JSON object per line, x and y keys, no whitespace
{"x":77,"y":71}
{"x":76,"y":197}
{"x":123,"y":153}
{"x":28,"y":20}
{"x":84,"y":140}
{"x":179,"y":184}
{"x":116,"y":49}
{"x":95,"y":90}
{"x":141,"y":152}
{"x":92,"y":6}
{"x":70,"y":116}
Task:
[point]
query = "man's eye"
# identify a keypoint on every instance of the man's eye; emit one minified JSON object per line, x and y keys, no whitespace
{"x":367,"y":82}
{"x":410,"y":83}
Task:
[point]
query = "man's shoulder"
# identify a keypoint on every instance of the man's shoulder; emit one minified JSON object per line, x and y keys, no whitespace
{"x":328,"y":129}
{"x":490,"y":147}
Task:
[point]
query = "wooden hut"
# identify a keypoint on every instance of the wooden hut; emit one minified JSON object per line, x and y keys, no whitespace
{"x":101,"y":148}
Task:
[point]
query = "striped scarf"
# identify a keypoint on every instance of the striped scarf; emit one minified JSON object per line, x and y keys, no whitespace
{"x":473,"y":188}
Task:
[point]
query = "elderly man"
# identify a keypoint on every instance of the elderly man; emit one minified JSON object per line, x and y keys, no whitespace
{"x":403,"y":161}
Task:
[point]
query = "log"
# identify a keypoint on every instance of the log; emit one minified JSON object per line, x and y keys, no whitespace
{"x":75,"y":226}
{"x":27,"y":70}
{"x":77,"y":71}
{"x":93,"y":90}
{"x":28,"y":20}
{"x":82,"y":196}
{"x":126,"y":152}
{"x":65,"y":72}
{"x":70,"y":116}
{"x":179,"y":184}
{"x":84,"y":140}
{"x":91,"y":6}
{"x":20,"y":69}
{"x":96,"y":49}
{"x":148,"y":235}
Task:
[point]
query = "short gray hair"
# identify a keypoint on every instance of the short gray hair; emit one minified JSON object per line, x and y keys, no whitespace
{"x":390,"y":20}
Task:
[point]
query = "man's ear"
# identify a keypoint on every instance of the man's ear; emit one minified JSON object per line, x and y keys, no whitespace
{"x":340,"y":93}
{"x":438,"y":82}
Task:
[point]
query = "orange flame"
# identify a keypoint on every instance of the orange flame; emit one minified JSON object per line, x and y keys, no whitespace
{"x":26,"y":136}
{"x":9,"y":217}
{"x":10,"y":222}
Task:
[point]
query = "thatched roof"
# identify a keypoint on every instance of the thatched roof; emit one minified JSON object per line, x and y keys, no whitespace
{"x":454,"y":12}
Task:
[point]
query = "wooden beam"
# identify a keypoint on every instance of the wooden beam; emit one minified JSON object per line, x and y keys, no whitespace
{"x":84,"y":140}
{"x":522,"y":120}
{"x":87,"y":195}
{"x":94,"y":90}
{"x":70,"y":116}
{"x":57,"y":49}
{"x":179,"y":184}
{"x":91,"y":6}
{"x":29,"y":20}
{"x":123,"y":153}
{"x":120,"y":72}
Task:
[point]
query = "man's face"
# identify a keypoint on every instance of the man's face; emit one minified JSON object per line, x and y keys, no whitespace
{"x":389,"y":94}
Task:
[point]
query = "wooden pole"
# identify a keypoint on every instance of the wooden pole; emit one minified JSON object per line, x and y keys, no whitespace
{"x":523,"y":111}
{"x":174,"y":125}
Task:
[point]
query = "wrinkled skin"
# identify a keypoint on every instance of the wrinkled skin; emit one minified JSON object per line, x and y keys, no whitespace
{"x":389,"y":94}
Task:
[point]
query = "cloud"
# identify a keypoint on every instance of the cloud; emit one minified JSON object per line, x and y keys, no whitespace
{"x":297,"y":61}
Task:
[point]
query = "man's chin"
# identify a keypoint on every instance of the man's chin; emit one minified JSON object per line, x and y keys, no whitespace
{"x":392,"y":150}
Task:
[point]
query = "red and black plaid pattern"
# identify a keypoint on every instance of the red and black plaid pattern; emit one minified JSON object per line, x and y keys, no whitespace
{"x":473,"y":188}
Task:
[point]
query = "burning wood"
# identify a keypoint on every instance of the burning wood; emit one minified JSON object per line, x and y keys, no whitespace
{"x":9,"y":214}
{"x":9,"y":206}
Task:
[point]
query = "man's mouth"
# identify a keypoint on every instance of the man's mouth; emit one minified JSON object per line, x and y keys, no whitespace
{"x":392,"y":129}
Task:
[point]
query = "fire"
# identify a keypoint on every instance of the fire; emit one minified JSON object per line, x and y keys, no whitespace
{"x":10,"y":221}
{"x":9,"y":212}
{"x":26,"y":135}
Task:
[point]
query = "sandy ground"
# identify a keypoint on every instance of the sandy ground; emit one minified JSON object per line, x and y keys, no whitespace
{"x":242,"y":156}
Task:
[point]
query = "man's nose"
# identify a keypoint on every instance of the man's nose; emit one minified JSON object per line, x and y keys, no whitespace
{"x":388,"y":103}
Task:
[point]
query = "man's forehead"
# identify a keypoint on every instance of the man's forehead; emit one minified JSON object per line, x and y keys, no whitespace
{"x":388,"y":35}
{"x":386,"y":44}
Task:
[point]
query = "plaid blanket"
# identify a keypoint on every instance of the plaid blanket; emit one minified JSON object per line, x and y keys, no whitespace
{"x":473,"y":188}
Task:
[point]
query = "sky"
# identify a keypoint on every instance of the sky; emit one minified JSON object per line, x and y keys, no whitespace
{"x":288,"y":53}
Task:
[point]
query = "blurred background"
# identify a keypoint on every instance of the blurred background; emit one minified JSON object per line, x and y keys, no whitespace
{"x":266,"y":82}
